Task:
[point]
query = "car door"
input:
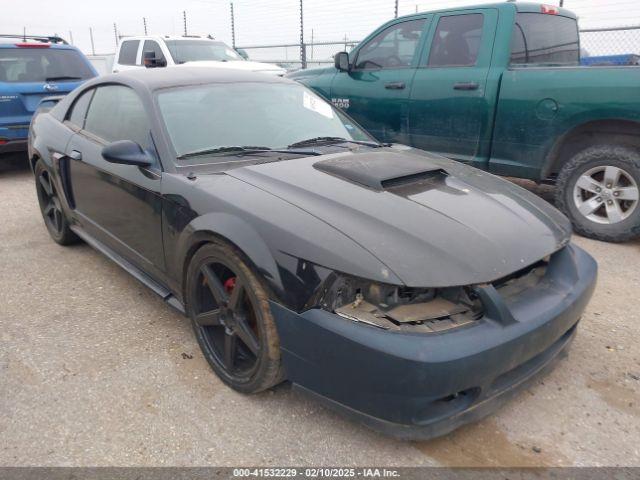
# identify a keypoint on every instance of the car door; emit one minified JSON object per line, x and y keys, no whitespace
{"x":452,"y":102}
{"x":119,"y":205}
{"x":375,"y":91}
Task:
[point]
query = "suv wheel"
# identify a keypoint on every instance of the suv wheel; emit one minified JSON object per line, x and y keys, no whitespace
{"x":598,"y":189}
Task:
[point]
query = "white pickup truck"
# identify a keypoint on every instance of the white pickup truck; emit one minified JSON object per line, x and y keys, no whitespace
{"x":164,"y":51}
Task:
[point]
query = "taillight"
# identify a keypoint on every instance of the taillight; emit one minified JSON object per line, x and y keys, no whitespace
{"x":549,"y":9}
{"x":2,"y":141}
{"x":33,"y":45}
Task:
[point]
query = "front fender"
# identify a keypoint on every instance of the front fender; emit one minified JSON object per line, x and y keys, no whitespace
{"x":236,"y":231}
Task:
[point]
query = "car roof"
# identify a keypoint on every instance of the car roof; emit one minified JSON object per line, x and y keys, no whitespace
{"x":169,"y":37}
{"x":182,"y":76}
{"x":49,"y":46}
{"x":521,"y":7}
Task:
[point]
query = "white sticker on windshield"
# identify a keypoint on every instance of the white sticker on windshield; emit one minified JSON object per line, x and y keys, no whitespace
{"x":317,"y":105}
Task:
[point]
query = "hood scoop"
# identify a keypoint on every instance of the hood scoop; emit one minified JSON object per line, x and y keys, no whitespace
{"x":381,"y":170}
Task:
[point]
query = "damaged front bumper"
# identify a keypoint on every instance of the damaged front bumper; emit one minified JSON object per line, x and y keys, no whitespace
{"x":419,"y":386}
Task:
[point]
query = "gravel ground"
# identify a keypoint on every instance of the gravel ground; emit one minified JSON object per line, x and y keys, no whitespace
{"x":95,"y":370}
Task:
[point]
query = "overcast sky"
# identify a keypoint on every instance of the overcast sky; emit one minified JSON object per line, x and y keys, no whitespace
{"x":257,"y":21}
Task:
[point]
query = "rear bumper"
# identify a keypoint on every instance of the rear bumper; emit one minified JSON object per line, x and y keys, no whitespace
{"x":14,"y":146}
{"x":420,"y":386}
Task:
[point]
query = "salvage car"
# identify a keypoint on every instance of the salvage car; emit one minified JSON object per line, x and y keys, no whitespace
{"x":412,"y":292}
{"x":500,"y":86}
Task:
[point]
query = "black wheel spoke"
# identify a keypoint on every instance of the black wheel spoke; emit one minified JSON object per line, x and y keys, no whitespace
{"x":247,"y":336}
{"x":230,"y":343}
{"x":49,"y":208}
{"x":57,"y":217}
{"x":46,"y":185}
{"x":216,"y":287}
{"x":237,"y":296}
{"x":208,"y":319}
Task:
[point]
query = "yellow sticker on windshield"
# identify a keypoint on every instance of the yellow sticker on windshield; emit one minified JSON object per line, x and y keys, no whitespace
{"x":317,"y":105}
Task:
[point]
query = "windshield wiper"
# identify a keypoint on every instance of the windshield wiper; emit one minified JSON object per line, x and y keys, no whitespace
{"x":62,"y":77}
{"x":329,"y":141}
{"x":244,"y":150}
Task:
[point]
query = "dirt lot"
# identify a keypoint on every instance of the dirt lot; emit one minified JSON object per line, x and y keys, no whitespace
{"x":96,"y":370}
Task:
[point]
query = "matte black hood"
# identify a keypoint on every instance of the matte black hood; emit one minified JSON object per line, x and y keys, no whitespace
{"x":433,"y":222}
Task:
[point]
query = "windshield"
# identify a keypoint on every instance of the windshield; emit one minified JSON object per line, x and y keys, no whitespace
{"x":201,"y":50}
{"x":269,"y":115}
{"x":42,"y":64}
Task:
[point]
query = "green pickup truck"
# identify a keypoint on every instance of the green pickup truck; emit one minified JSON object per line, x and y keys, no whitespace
{"x":500,"y":87}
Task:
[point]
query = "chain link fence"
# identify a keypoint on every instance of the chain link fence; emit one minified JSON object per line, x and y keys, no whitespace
{"x":597,"y":42}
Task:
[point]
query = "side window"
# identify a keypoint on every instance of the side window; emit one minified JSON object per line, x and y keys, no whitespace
{"x":457,"y":41}
{"x":394,"y":47}
{"x":116,"y":113}
{"x":545,"y":39}
{"x":128,"y":52}
{"x":78,"y":111}
{"x":152,"y":46}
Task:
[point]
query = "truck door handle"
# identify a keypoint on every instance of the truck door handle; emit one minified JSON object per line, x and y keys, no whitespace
{"x":75,"y":155}
{"x":466,"y":86}
{"x":394,"y":86}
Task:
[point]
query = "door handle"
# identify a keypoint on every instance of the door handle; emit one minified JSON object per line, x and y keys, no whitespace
{"x":466,"y":86}
{"x":75,"y":155}
{"x":394,"y":86}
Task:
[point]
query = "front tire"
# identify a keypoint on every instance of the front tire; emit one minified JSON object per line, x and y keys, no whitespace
{"x":231,"y":318}
{"x":52,"y":213}
{"x":598,"y":189}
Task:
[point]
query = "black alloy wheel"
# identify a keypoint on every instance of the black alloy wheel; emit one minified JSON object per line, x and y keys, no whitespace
{"x":232,"y":320}
{"x":51,"y":208}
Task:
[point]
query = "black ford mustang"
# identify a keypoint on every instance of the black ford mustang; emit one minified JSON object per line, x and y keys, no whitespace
{"x":410,"y":291}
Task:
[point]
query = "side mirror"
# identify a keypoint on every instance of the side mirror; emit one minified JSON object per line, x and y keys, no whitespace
{"x":243,"y":53}
{"x":150,"y":60}
{"x":126,"y":152}
{"x":341,"y":61}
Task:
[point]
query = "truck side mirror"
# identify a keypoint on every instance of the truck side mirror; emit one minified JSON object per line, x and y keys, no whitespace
{"x":341,"y":61}
{"x":150,"y":60}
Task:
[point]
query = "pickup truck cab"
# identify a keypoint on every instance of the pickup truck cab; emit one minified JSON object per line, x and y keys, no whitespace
{"x":32,"y":68}
{"x":500,"y":87}
{"x":166,"y":51}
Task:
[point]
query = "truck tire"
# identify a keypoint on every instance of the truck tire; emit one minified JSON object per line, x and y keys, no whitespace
{"x":598,"y":190}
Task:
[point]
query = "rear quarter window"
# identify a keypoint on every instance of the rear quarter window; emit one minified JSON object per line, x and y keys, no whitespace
{"x":19,"y":65}
{"x":78,"y":111}
{"x":128,"y":52}
{"x":545,"y":40}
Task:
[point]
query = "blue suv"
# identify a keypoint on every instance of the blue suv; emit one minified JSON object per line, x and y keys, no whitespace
{"x":32,"y":68}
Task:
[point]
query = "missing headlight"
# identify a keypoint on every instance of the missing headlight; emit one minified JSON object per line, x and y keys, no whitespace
{"x":400,"y":308}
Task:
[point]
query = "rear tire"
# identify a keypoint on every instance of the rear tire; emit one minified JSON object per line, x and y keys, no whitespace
{"x":52,"y":212}
{"x":598,"y":190}
{"x":232,"y":321}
